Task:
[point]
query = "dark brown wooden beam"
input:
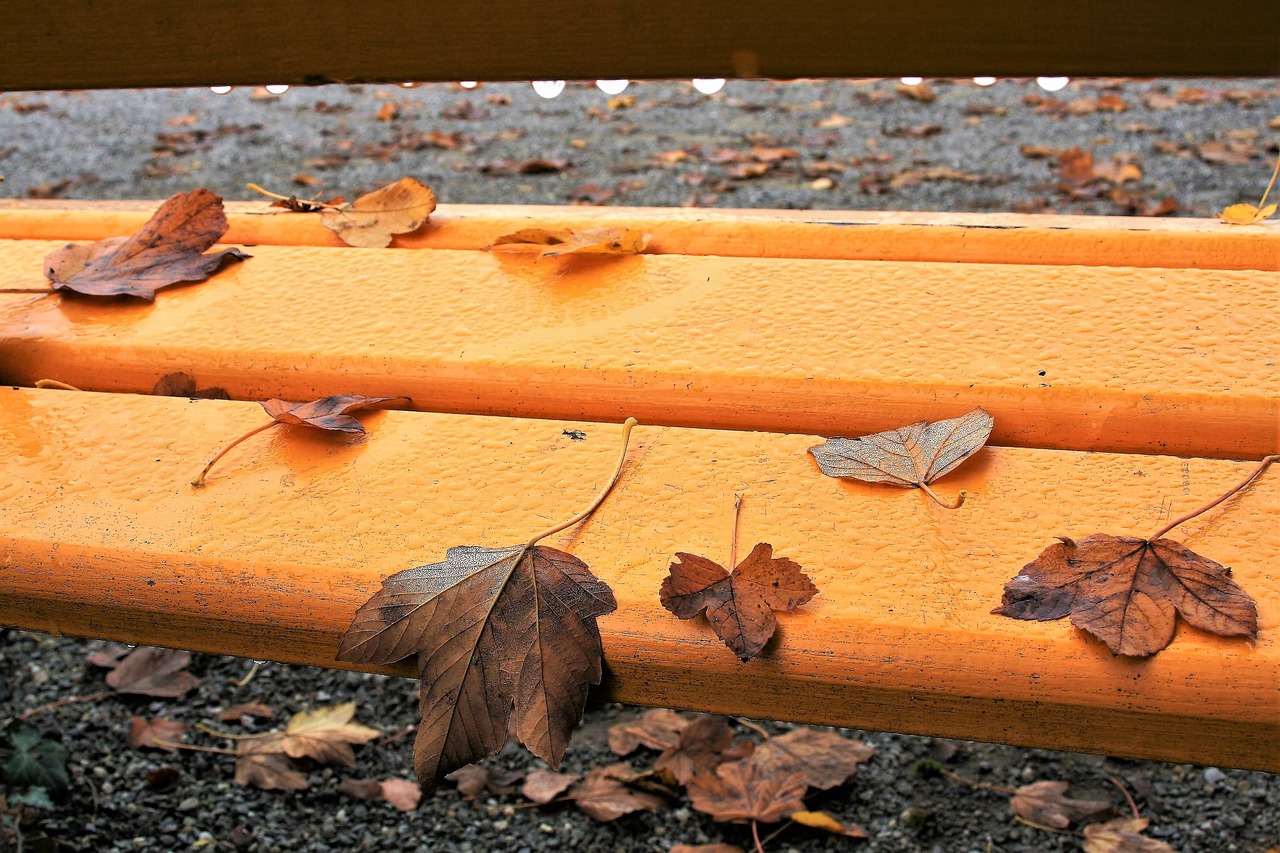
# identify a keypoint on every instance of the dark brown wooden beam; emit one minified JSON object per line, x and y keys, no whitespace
{"x":125,"y":43}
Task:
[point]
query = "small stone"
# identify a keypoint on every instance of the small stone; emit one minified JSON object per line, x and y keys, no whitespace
{"x":1213,"y":775}
{"x":190,"y":804}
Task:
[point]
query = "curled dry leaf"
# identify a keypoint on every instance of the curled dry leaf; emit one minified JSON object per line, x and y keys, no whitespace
{"x":1122,"y":836}
{"x":699,"y":750}
{"x":495,"y":630}
{"x":326,"y":734}
{"x":592,"y":241}
{"x":1247,"y":214}
{"x":331,"y":413}
{"x":144,"y":733}
{"x":148,"y":671}
{"x":657,"y":728}
{"x":823,"y":759}
{"x":372,"y":220}
{"x":1047,"y":804}
{"x":543,"y":786}
{"x":167,"y":250}
{"x":604,"y":794}
{"x":829,"y":823}
{"x":1128,"y":591}
{"x":741,"y":605}
{"x":742,"y":791}
{"x":261,"y":762}
{"x":910,"y":456}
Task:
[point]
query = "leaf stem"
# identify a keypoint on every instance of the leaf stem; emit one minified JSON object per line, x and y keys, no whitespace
{"x":198,"y":482}
{"x":1031,"y":823}
{"x":940,"y":502}
{"x":755,"y":727}
{"x":207,"y":729}
{"x":1257,"y":472}
{"x":777,"y":832}
{"x":253,"y":670}
{"x":755,"y":836}
{"x":56,"y":385}
{"x":270,"y":194}
{"x":192,"y":747}
{"x":92,"y":697}
{"x":627,"y":426}
{"x":1270,"y":184}
{"x":974,"y":783}
{"x":1127,"y":796}
{"x":733,"y":540}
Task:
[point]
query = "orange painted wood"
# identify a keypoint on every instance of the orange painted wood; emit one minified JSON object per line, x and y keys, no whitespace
{"x":102,"y":535}
{"x":994,"y":238}
{"x":1074,"y":357}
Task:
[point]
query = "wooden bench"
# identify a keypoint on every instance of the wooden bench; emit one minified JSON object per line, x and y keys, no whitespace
{"x":1130,"y":367}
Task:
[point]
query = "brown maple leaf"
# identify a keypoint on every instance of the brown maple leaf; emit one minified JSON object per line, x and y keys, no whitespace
{"x":741,"y":605}
{"x":824,"y":759}
{"x":590,"y":241}
{"x":742,"y":791}
{"x":326,"y":734}
{"x":699,"y":750}
{"x":328,"y":413}
{"x":374,"y":218}
{"x":657,"y":728}
{"x":1122,"y":836}
{"x":148,"y":671}
{"x":167,"y":250}
{"x":912,"y":456}
{"x":474,"y":780}
{"x":605,"y":795}
{"x":145,"y":733}
{"x":543,"y":786}
{"x":261,"y":762}
{"x":1047,"y":804}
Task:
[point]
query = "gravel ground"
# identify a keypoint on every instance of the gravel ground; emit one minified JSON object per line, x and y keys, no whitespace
{"x":857,"y":145}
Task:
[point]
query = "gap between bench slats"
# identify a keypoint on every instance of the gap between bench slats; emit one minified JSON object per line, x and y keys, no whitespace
{"x":840,"y":235}
{"x":1088,"y":358}
{"x":101,"y":534}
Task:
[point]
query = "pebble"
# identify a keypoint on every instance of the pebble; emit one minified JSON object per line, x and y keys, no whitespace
{"x":1213,"y":775}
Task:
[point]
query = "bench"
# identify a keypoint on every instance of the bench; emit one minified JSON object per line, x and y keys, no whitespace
{"x":1129,"y":366}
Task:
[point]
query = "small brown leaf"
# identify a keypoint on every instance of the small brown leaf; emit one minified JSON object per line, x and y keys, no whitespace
{"x":148,"y":671}
{"x":167,"y":250}
{"x":829,"y":823}
{"x":1047,"y":804}
{"x":543,"y":786}
{"x":472,"y":780}
{"x":1128,"y":591}
{"x":1247,"y":214}
{"x":326,"y":734}
{"x":740,"y":606}
{"x":701,"y":745}
{"x":400,"y":793}
{"x":742,"y":791}
{"x":824,"y":759}
{"x":144,"y":733}
{"x":657,"y":728}
{"x":109,"y":657}
{"x":330,"y":413}
{"x":1122,"y":836}
{"x":604,"y":795}
{"x":373,"y":219}
{"x":249,"y":709}
{"x":591,"y":241}
{"x":705,"y":848}
{"x":261,"y":762}
{"x":910,"y":456}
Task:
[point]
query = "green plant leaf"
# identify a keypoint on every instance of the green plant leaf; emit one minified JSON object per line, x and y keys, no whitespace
{"x":36,"y":761}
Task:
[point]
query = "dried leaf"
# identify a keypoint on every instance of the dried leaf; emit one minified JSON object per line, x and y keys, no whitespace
{"x":699,"y":750}
{"x":604,"y":795}
{"x":329,"y":413}
{"x":494,"y":630}
{"x":910,"y":456}
{"x":830,"y":823}
{"x":543,"y":786}
{"x":922,"y":92}
{"x":261,"y":762}
{"x":400,"y":793}
{"x":1047,"y":804}
{"x":741,"y":605}
{"x":658,"y":728}
{"x":373,"y":219}
{"x":109,"y":657}
{"x":148,"y":671}
{"x":823,"y":759}
{"x":167,"y":250}
{"x":706,"y":848}
{"x":248,"y":709}
{"x":145,"y":733}
{"x":472,"y":780}
{"x":326,"y":734}
{"x":591,"y":241}
{"x":1246,"y":214}
{"x":1122,"y":836}
{"x":1127,"y":591}
{"x":742,"y":791}
{"x":181,"y":385}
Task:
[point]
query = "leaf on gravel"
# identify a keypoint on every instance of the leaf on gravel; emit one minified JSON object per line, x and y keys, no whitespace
{"x":475,"y":779}
{"x":604,"y":794}
{"x":1128,"y":591}
{"x":658,"y":728}
{"x":922,"y":92}
{"x":591,"y":241}
{"x":496,"y":631}
{"x":911,"y":456}
{"x":372,"y":220}
{"x":1047,"y":804}
{"x":543,"y":786}
{"x":700,"y":749}
{"x":1122,"y":836}
{"x":1247,"y":214}
{"x":829,"y":823}
{"x":109,"y":657}
{"x":36,"y":761}
{"x":326,"y":734}
{"x":148,"y":671}
{"x":181,"y":385}
{"x":706,"y":848}
{"x":823,"y":759}
{"x":741,"y":605}
{"x":144,"y":733}
{"x":261,"y":762}
{"x":167,"y":250}
{"x":248,"y":709}
{"x":400,"y":793}
{"x":329,"y":413}
{"x":742,"y":791}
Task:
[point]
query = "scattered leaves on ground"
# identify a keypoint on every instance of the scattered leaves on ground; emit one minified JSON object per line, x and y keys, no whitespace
{"x":373,"y":219}
{"x":474,"y":780}
{"x":741,"y":791}
{"x":145,"y":733}
{"x":1122,"y":836}
{"x":495,"y":630}
{"x":741,"y":605}
{"x":605,"y":795}
{"x":400,"y":793}
{"x":148,"y":671}
{"x":1047,"y":804}
{"x":699,"y":750}
{"x":167,"y":250}
{"x":326,"y":734}
{"x":657,"y":728}
{"x":590,"y":241}
{"x":261,"y":762}
{"x":824,"y":759}
{"x":909,"y":456}
{"x":543,"y":786}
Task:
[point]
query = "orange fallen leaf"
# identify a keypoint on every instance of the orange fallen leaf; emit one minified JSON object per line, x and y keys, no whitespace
{"x":591,"y":241}
{"x":326,"y":734}
{"x":1122,"y":836}
{"x":374,"y":218}
{"x":910,"y":456}
{"x":1248,"y":214}
{"x":167,"y":250}
{"x":741,"y":605}
{"x":829,"y":823}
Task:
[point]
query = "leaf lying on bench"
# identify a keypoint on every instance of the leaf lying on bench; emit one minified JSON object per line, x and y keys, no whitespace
{"x":740,"y":605}
{"x":592,"y":241}
{"x":911,"y":456}
{"x":372,"y":220}
{"x":167,"y":250}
